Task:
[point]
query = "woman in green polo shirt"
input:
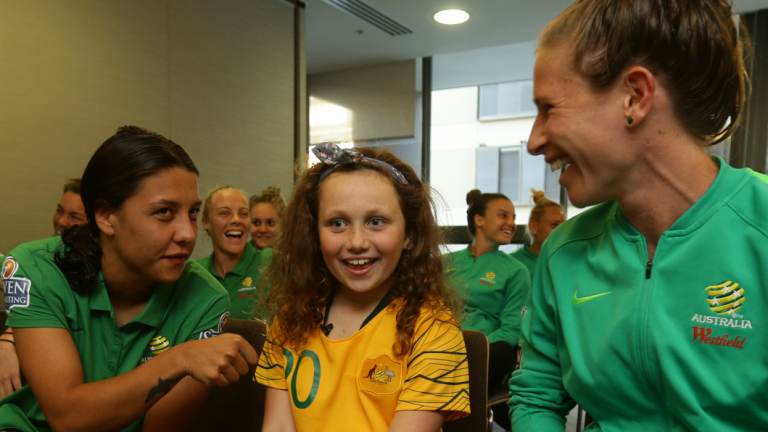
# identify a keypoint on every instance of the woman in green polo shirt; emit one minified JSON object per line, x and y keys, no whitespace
{"x":495,"y":286}
{"x":112,"y":323}
{"x":235,"y":262}
{"x":546,"y":215}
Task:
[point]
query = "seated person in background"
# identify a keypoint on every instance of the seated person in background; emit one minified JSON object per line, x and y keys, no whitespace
{"x":494,"y":285}
{"x":112,"y":323}
{"x":648,"y":309}
{"x":266,"y":209}
{"x":546,"y":215}
{"x":69,"y":210}
{"x":364,"y":338}
{"x":234,"y":261}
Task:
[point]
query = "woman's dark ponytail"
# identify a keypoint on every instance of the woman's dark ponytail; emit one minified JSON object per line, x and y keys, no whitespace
{"x":80,"y":259}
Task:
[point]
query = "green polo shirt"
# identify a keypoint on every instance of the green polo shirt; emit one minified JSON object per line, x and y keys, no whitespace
{"x":495,"y":287}
{"x":37,"y":295}
{"x":525,"y":256}
{"x":244,"y":283}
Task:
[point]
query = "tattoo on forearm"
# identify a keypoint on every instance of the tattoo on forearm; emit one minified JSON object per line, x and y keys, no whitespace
{"x":163,"y":386}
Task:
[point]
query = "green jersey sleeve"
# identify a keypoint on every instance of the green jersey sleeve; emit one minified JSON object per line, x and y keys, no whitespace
{"x":33,"y":291}
{"x":205,"y":301}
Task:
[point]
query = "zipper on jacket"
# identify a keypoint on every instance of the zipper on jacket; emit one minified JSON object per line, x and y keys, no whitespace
{"x":648,"y":268}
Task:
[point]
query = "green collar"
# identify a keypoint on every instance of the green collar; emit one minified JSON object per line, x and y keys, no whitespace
{"x":727,"y":181}
{"x":241,"y":269}
{"x":468,"y":253}
{"x":153,"y":313}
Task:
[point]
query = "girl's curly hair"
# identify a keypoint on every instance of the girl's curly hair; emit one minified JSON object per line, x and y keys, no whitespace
{"x":301,"y":283}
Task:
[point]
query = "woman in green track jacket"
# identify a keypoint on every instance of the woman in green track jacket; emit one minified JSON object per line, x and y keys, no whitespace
{"x":494,"y":285}
{"x":647,"y":310}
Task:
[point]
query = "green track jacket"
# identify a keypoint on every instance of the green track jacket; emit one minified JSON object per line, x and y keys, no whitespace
{"x":677,"y":343}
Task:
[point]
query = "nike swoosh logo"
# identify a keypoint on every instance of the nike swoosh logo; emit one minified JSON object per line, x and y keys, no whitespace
{"x":579,"y":300}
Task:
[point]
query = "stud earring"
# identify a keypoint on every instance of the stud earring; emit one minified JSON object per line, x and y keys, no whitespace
{"x":630,"y":120}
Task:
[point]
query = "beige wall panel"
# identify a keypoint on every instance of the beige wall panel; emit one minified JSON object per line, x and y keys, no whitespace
{"x":231,"y":93}
{"x":380,"y":98}
{"x":72,"y":72}
{"x":217,"y":77}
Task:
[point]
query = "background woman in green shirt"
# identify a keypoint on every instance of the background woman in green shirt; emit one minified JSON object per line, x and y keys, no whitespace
{"x":235,"y":262}
{"x":494,"y":285}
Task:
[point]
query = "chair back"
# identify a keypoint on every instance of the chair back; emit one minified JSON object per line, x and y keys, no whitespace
{"x":239,"y":406}
{"x":477,"y":358}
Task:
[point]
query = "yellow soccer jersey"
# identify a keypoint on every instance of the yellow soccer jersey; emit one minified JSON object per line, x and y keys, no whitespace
{"x":358,"y":383}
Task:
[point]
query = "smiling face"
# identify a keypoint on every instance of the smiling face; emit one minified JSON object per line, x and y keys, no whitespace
{"x":264,"y":224}
{"x":151,"y":236}
{"x":362,"y":231}
{"x":579,"y":129}
{"x":227,"y":222}
{"x":497,"y":225}
{"x":69,"y":212}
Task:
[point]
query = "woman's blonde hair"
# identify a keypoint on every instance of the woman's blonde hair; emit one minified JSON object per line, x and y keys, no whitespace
{"x":540,"y":204}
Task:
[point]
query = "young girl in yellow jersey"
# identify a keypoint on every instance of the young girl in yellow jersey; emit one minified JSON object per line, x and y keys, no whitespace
{"x":364,"y":336}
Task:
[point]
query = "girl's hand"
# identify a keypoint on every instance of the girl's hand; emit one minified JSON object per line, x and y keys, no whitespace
{"x":218,"y":361}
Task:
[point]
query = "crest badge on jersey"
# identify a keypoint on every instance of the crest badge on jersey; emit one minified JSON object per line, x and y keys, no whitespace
{"x":725,"y":298}
{"x":10,"y":266}
{"x":488,"y":279}
{"x":16,"y":288}
{"x":727,"y":327}
{"x":380,"y":375}
{"x":158,"y":345}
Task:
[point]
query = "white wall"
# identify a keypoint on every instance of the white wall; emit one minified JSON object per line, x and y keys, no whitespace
{"x":501,"y":63}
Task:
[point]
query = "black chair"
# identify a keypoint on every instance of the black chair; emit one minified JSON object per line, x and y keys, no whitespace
{"x":477,"y":357}
{"x":240,"y":406}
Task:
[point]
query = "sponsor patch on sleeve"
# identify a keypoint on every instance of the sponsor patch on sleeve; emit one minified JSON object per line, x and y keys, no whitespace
{"x":16,"y":289}
{"x":205,"y":334}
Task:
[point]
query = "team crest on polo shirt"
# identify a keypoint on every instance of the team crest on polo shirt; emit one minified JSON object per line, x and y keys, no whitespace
{"x":247,"y":290}
{"x":380,"y":375}
{"x":16,"y":289}
{"x":726,"y":300}
{"x":158,"y":345}
{"x":489,"y":279}
{"x":219,"y":328}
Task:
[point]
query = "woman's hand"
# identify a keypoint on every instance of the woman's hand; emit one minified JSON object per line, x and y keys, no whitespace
{"x":218,"y":361}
